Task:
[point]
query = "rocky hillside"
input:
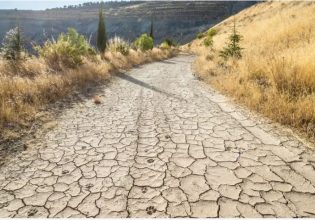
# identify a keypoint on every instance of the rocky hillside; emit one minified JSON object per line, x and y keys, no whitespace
{"x":177,"y":20}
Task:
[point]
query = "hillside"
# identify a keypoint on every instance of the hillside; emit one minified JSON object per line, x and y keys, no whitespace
{"x":276,"y":74}
{"x":179,"y":20}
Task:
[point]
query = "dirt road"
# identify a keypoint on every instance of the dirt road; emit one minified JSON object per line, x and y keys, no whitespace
{"x":161,"y":144}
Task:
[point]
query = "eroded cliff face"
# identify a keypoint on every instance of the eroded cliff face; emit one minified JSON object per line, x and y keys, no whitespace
{"x":177,"y":20}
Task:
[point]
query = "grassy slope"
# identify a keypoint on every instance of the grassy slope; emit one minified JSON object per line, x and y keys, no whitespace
{"x":30,"y":86}
{"x":276,"y":75}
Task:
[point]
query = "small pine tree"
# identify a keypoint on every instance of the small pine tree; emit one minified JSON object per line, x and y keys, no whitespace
{"x":151,"y":29}
{"x":12,"y":44}
{"x":101,"y":31}
{"x":233,"y":48}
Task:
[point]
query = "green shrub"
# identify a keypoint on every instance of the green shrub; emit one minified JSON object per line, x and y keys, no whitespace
{"x":167,"y":43}
{"x":200,"y":35}
{"x":117,"y":44}
{"x":144,"y":42}
{"x":164,"y":45}
{"x":68,"y":50}
{"x":211,"y":32}
{"x":12,"y":44}
{"x":208,"y":41}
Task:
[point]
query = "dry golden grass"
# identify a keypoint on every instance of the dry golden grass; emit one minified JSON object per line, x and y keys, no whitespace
{"x":137,"y":57}
{"x":276,"y":75}
{"x":31,"y":85}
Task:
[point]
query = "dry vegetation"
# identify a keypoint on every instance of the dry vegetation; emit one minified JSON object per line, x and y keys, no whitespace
{"x":276,"y":75}
{"x":32,"y":84}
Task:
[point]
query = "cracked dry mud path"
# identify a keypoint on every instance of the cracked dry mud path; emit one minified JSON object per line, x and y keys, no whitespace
{"x":162,"y":144}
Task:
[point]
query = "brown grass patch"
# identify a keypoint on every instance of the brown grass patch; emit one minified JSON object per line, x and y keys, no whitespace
{"x":32,"y":85}
{"x":276,"y":75}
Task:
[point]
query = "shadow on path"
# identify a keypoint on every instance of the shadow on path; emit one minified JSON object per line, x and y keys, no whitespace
{"x":167,"y":62}
{"x":146,"y":85}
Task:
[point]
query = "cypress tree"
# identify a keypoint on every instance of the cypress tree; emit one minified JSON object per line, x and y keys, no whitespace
{"x":151,"y":28}
{"x":101,"y":31}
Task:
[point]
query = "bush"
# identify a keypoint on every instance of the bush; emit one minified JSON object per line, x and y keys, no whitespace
{"x":12,"y":44}
{"x":144,"y":42}
{"x":164,"y":46}
{"x":211,"y":32}
{"x":68,"y":50}
{"x":167,"y":43}
{"x":201,"y":35}
{"x":118,"y":44}
{"x":208,"y":41}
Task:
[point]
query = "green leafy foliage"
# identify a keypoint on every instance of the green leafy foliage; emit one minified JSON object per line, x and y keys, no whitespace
{"x":144,"y":42}
{"x":12,"y":45}
{"x":208,"y":41}
{"x":211,"y":32}
{"x":200,"y":35}
{"x":167,"y":43}
{"x":68,"y":50}
{"x":164,"y":45}
{"x":101,"y":32}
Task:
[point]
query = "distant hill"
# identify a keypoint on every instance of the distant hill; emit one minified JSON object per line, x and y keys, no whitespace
{"x":177,"y":20}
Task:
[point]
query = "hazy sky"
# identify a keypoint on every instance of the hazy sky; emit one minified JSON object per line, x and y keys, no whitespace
{"x":39,"y":4}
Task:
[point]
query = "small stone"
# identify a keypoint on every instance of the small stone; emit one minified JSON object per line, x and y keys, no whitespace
{"x":144,"y":189}
{"x":150,"y":161}
{"x":65,"y":171}
{"x":89,"y":185}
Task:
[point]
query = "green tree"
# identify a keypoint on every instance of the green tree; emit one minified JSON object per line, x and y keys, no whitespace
{"x":12,"y":44}
{"x":233,"y":48}
{"x":101,"y":31}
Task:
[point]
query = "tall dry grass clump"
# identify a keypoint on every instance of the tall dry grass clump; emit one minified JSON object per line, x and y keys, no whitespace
{"x":276,"y":74}
{"x":117,"y":44}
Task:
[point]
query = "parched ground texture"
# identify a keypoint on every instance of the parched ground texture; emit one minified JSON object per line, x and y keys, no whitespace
{"x":161,"y":144}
